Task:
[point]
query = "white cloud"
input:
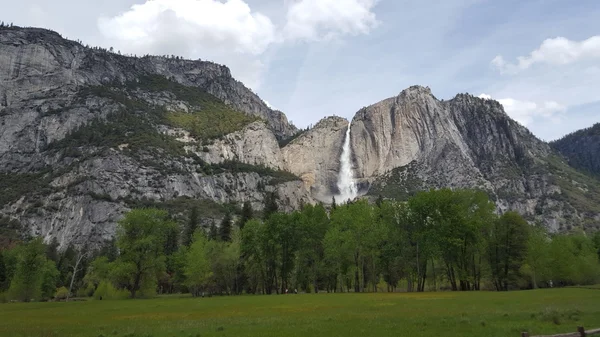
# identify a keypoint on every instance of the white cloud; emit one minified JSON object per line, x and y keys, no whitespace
{"x":556,"y":51}
{"x":225,"y":32}
{"x":326,"y":19}
{"x":229,"y":31}
{"x":525,"y":112}
{"x":204,"y":23}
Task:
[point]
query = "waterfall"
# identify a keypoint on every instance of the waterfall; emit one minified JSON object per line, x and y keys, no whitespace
{"x":346,"y":184}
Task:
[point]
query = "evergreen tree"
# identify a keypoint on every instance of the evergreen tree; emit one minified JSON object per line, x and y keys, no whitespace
{"x":596,"y":240}
{"x":270,"y":205}
{"x":213,"y":232}
{"x":247,"y":214}
{"x":109,"y":250}
{"x":171,"y":240}
{"x":379,"y":201}
{"x":3,"y":275}
{"x":52,"y":250}
{"x":225,"y":228}
{"x":333,"y":203}
{"x":191,"y":227}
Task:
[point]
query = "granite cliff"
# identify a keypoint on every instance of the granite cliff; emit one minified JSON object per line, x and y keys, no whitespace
{"x":87,"y":134}
{"x":415,"y":141}
{"x":581,"y":149}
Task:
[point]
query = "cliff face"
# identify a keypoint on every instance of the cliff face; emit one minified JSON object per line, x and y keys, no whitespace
{"x":87,"y":134}
{"x":315,"y":156}
{"x":39,"y":63}
{"x":414,"y":141}
{"x":582,"y":149}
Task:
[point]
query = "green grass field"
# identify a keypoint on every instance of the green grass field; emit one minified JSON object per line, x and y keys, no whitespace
{"x":381,"y":314}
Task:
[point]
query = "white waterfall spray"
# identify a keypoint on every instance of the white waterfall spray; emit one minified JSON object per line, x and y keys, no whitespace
{"x":346,"y":184}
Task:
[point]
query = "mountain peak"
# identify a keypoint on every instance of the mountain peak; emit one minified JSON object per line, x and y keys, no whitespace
{"x":416,"y":90}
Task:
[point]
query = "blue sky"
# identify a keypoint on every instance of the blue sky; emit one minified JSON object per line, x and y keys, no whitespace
{"x":314,"y":58}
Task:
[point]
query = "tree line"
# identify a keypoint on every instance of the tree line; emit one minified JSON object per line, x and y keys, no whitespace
{"x":437,"y":240}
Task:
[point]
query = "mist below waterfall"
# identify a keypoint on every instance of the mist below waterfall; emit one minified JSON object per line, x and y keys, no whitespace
{"x":346,"y":183}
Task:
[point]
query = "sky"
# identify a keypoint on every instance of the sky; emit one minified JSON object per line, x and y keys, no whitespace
{"x":316,"y":58}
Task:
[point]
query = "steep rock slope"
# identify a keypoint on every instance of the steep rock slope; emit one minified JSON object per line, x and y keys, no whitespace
{"x":87,"y":134}
{"x":414,"y":141}
{"x":315,"y":156}
{"x":582,"y":149}
{"x":39,"y":63}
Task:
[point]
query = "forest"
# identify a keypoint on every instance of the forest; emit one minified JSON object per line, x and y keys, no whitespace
{"x":437,"y":240}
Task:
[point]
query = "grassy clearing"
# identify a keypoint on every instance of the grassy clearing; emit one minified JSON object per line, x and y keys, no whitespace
{"x":381,"y":314}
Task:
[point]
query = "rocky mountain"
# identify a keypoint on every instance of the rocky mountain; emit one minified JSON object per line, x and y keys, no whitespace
{"x":87,"y":134}
{"x":414,"y":141}
{"x":582,"y":149}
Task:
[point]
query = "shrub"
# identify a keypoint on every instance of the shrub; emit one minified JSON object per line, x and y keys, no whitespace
{"x":106,"y":291}
{"x":61,"y":293}
{"x":87,"y":291}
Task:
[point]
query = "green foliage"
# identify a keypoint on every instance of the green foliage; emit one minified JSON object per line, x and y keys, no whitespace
{"x":50,"y":277}
{"x":13,"y":186}
{"x":210,"y":123}
{"x":537,"y":260}
{"x":34,"y":276}
{"x":179,"y":207}
{"x":579,"y":189}
{"x":507,"y":249}
{"x":141,"y":237}
{"x":284,"y":142}
{"x":573,"y":260}
{"x":3,"y":273}
{"x":247,"y":214}
{"x":581,"y":149}
{"x":271,"y":206}
{"x":138,"y":131}
{"x":106,"y":291}
{"x":197,"y":269}
{"x":61,"y":293}
{"x":225,"y":228}
{"x":278,"y":176}
{"x":400,"y":184}
{"x":211,"y":118}
{"x":191,"y":226}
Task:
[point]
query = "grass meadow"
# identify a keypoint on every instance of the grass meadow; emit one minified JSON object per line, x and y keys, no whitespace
{"x":448,"y":314}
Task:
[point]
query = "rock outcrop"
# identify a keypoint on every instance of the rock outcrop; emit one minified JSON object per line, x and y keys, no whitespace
{"x":87,"y":134}
{"x":38,"y":63}
{"x":581,"y":149}
{"x":315,"y":156}
{"x":414,"y":141}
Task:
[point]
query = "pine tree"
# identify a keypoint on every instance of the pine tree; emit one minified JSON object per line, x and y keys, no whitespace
{"x":333,"y":204}
{"x":247,"y":214}
{"x":270,"y":204}
{"x":109,"y":249}
{"x":225,"y":228}
{"x":379,"y":201}
{"x":2,"y":272}
{"x":191,"y":227}
{"x":52,"y":250}
{"x":213,"y":233}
